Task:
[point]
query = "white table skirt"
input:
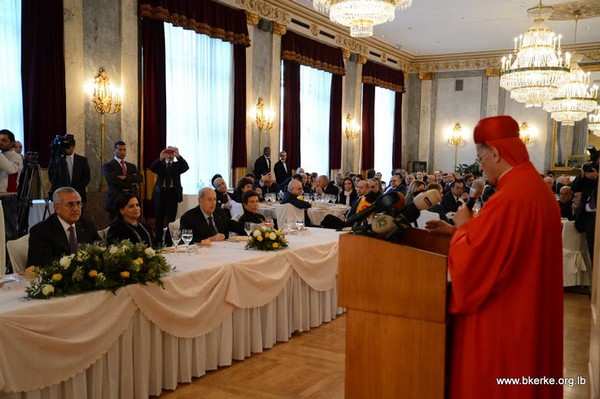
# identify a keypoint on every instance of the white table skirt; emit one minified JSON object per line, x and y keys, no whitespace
{"x":144,"y":359}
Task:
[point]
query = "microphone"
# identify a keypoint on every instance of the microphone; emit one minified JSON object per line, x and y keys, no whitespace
{"x":384,"y":202}
{"x":424,"y":200}
{"x":474,"y":193}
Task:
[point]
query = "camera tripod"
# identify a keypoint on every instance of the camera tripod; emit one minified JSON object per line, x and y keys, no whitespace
{"x":30,"y":187}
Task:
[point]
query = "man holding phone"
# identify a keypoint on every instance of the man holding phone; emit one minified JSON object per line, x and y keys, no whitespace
{"x":168,"y":191}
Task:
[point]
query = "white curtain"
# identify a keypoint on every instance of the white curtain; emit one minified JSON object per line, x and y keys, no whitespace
{"x":11,"y":97}
{"x":384,"y":129}
{"x":199,"y":80}
{"x":315,"y":93}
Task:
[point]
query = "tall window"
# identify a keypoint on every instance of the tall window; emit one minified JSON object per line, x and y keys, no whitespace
{"x":11,"y":99}
{"x":384,"y":129}
{"x":199,"y":80}
{"x":315,"y":93}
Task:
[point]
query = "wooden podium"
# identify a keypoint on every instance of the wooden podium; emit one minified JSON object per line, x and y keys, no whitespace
{"x":395,"y":297}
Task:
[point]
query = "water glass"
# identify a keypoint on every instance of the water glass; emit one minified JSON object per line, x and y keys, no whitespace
{"x":248,"y":228}
{"x":269,"y":222}
{"x":287,"y":223}
{"x":175,"y":237}
{"x":187,"y":236}
{"x":300,"y":224}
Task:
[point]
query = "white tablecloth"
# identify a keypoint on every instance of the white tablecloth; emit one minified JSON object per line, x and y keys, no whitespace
{"x":220,"y":304}
{"x":316,"y":213}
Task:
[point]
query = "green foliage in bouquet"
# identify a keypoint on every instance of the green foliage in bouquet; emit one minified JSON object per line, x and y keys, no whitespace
{"x":266,"y":239}
{"x":97,"y":267}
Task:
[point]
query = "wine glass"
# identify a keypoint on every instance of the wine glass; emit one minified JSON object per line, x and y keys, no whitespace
{"x":186,"y":236}
{"x":248,"y":228}
{"x":175,"y":237}
{"x":287,"y":223}
{"x":300,"y":224}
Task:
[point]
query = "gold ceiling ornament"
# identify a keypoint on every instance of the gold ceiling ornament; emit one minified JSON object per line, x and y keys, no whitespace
{"x":575,"y":98}
{"x":534,"y":75}
{"x":360,"y":15}
{"x":594,"y":121}
{"x":526,"y":134}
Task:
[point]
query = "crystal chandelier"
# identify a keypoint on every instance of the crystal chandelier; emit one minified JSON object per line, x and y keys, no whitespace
{"x":534,"y":75}
{"x":594,"y":121}
{"x":575,"y":98}
{"x":360,"y":15}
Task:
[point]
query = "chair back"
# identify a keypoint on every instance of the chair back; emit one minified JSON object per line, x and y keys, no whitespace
{"x":287,"y":210}
{"x":236,"y":209}
{"x":103,"y":233}
{"x":175,"y":225}
{"x":17,"y":251}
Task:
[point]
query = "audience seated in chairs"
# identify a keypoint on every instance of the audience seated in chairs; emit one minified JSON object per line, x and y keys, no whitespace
{"x":364,"y":198}
{"x":455,"y":196}
{"x":415,"y":188}
{"x":127,"y":225}
{"x":250,"y":203}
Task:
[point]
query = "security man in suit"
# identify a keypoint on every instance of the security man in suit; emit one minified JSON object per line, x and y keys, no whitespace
{"x":168,"y":191}
{"x":68,"y":169}
{"x":121,"y":177}
{"x":262,"y":165}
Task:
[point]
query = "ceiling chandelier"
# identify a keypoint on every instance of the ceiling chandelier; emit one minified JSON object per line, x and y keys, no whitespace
{"x":594,"y":121}
{"x":360,"y":15}
{"x":575,"y":98}
{"x":534,"y":75}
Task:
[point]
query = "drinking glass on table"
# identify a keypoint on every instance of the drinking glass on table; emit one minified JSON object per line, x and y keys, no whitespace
{"x":300,"y":224}
{"x":248,"y":228}
{"x":186,"y":236}
{"x":175,"y":237}
{"x":269,"y":222}
{"x":287,"y":223}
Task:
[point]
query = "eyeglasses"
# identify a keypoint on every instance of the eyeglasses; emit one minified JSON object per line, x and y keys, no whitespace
{"x":479,"y":157}
{"x":72,"y":204}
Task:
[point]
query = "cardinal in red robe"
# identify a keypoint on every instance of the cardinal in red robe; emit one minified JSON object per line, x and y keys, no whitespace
{"x":505,"y":265}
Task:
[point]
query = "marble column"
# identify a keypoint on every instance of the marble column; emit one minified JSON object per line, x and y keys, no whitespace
{"x":425,"y":128}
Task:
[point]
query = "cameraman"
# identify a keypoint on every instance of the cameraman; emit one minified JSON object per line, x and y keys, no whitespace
{"x":11,"y":165}
{"x":67,"y":168}
{"x":585,"y":193}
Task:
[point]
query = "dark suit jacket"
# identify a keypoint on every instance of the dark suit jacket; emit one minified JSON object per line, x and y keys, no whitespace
{"x":292,"y":199}
{"x":331,"y":189}
{"x":251,"y":217}
{"x":341,"y":199}
{"x":48,"y":241}
{"x":280,"y":173}
{"x":111,"y":169}
{"x":261,"y":166}
{"x":194,"y":219}
{"x":79,"y":180}
{"x":160,"y":168}
{"x":450,"y":203}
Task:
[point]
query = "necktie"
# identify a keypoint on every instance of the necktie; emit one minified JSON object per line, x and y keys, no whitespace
{"x":73,"y":245}
{"x":211,"y":227}
{"x":124,"y":168}
{"x":70,"y":167}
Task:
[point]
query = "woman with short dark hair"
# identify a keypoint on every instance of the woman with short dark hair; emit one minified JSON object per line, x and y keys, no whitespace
{"x":127,"y":225}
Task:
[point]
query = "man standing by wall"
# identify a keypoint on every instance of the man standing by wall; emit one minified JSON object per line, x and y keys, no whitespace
{"x":69,"y":169}
{"x":262,"y":165}
{"x":11,"y":165}
{"x":282,"y":169}
{"x":505,"y":266}
{"x":121,"y":177}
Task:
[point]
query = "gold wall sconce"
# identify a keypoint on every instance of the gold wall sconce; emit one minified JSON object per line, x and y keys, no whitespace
{"x":456,"y":140}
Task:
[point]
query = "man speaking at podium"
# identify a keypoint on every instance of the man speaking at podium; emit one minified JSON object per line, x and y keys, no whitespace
{"x":505,"y":266}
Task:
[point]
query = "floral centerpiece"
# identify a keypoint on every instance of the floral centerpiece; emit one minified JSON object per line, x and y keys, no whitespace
{"x":266,"y":239}
{"x":97,"y":267}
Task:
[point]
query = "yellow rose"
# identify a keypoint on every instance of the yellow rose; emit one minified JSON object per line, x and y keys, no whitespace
{"x":93,"y":273}
{"x":259,"y":238}
{"x":278,"y":232}
{"x":125,"y":274}
{"x":57,"y":277}
{"x":139,"y":261}
{"x":272,"y":236}
{"x":275,"y":245}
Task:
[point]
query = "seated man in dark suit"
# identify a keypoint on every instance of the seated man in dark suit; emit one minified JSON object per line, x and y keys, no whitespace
{"x":62,"y":232}
{"x":208,"y":222}
{"x":291,"y":195}
{"x":566,"y":203}
{"x":324,"y":186}
{"x":454,"y":197}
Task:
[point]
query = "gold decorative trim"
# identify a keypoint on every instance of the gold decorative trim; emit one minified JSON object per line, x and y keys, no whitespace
{"x":346,"y":42}
{"x":265,"y":10}
{"x":346,"y":53}
{"x":457,"y":65}
{"x":566,"y":11}
{"x":384,"y":57}
{"x":251,"y":18}
{"x":279,"y":29}
{"x":426,"y":75}
{"x":314,"y":29}
{"x":492,"y":72}
{"x":362,"y":59}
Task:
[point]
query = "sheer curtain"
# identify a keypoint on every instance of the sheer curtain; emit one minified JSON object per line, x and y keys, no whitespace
{"x":11,"y":100}
{"x":199,"y":81}
{"x":384,"y":129}
{"x":315,"y":94}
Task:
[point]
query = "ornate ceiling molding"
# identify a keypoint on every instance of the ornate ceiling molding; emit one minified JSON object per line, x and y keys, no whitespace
{"x":265,"y":10}
{"x":566,"y":11}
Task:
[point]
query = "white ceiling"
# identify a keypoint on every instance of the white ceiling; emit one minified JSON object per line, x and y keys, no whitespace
{"x":432,"y":27}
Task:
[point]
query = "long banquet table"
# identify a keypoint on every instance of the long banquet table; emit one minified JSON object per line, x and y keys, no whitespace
{"x":221,"y":303}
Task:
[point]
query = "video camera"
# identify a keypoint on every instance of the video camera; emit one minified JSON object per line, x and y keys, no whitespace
{"x":32,"y":159}
{"x":593,"y":163}
{"x":60,"y":145}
